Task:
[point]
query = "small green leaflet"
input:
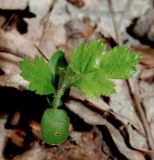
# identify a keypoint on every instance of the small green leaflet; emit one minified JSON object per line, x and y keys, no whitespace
{"x":56,"y":62}
{"x":39,"y":75}
{"x":85,"y":58}
{"x":94,"y":87}
{"x":119,"y":63}
{"x":96,"y":69}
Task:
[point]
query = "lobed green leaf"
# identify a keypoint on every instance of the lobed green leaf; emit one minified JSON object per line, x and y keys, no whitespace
{"x":85,"y":58}
{"x":39,"y":75}
{"x":119,"y":63}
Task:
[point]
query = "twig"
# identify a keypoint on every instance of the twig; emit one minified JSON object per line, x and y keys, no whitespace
{"x":46,"y":21}
{"x":46,"y":26}
{"x":137,"y":104}
{"x":152,"y":2}
{"x":41,"y":52}
{"x":5,"y":25}
{"x":114,"y":22}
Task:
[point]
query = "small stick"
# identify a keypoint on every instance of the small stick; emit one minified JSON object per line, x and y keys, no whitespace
{"x":41,"y":52}
{"x":141,"y":113}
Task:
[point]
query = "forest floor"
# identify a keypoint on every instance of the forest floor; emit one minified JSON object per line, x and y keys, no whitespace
{"x":120,"y":127}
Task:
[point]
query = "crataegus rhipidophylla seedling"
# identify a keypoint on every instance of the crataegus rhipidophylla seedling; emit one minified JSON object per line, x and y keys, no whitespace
{"x":91,"y":69}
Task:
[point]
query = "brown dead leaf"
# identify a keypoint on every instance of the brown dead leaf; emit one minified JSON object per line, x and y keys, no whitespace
{"x":77,"y":3}
{"x":54,"y":37}
{"x":14,"y":43}
{"x":4,"y":134}
{"x":40,"y":8}
{"x":35,"y":29}
{"x":94,"y":118}
{"x":147,"y":54}
{"x":13,"y":80}
{"x":88,"y":32}
{"x":2,"y":20}
{"x":16,"y":139}
{"x":9,"y":63}
{"x":35,"y":153}
{"x":35,"y":128}
{"x":130,"y":130}
{"x":122,"y":104}
{"x":16,"y":118}
{"x":15,"y":4}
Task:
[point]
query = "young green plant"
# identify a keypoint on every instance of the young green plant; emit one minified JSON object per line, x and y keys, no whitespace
{"x":91,"y":69}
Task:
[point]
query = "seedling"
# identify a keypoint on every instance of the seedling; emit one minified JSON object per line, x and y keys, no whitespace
{"x":91,"y":69}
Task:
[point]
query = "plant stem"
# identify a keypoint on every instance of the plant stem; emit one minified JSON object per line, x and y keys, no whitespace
{"x":69,"y":78}
{"x":57,"y":96}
